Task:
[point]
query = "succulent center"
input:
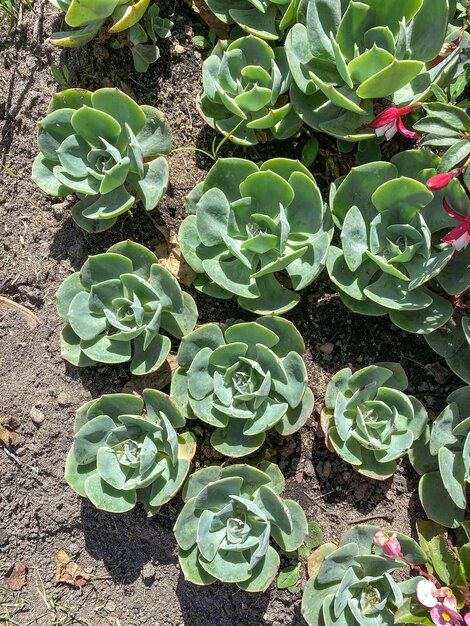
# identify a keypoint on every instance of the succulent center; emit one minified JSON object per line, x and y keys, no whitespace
{"x":242,"y":382}
{"x":129,"y":453}
{"x":236,"y":527}
{"x":253,"y":229}
{"x":370,"y":599}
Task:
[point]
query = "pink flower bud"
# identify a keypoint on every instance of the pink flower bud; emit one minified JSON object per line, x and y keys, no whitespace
{"x":389,"y":543}
{"x":439,"y":181}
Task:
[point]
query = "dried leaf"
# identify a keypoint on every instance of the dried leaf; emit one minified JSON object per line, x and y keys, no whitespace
{"x":316,"y":559}
{"x":222,"y":30}
{"x":169,"y":254}
{"x":157,"y":380}
{"x":8,"y":436}
{"x":31,"y":318}
{"x":16,"y":576}
{"x":69,"y":572}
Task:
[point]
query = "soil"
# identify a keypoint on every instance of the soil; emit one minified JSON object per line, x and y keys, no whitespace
{"x":132,"y":559}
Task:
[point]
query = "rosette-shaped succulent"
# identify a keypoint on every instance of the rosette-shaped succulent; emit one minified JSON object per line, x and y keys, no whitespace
{"x":126,"y":450}
{"x":390,"y":246}
{"x":245,"y":85}
{"x":265,"y":18}
{"x":352,"y":583}
{"x":248,"y":224}
{"x":230,"y":515}
{"x":442,"y":456}
{"x":369,"y":421}
{"x":452,"y":341}
{"x":102,"y":146}
{"x":244,"y":379}
{"x":344,"y":54}
{"x":116,"y":307}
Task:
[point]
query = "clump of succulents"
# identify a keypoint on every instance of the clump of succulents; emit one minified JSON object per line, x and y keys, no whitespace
{"x":264,"y":18}
{"x":452,"y":341}
{"x":390,"y":246}
{"x":102,"y":146}
{"x":126,"y":450}
{"x":137,"y":23}
{"x":245,"y":91}
{"x":230,"y":515}
{"x":247,"y":224}
{"x":345,"y":55}
{"x":116,"y":307}
{"x":244,"y":379}
{"x":352,"y":584}
{"x":442,"y":456}
{"x":368,"y":420}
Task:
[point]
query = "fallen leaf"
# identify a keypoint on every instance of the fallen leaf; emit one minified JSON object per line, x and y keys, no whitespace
{"x":317,"y":557}
{"x":69,"y":572}
{"x":31,"y":318}
{"x":169,"y":254}
{"x":16,"y":576}
{"x":8,"y":436}
{"x":222,"y":30}
{"x":157,"y":380}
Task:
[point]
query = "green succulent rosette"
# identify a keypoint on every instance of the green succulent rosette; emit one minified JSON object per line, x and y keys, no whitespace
{"x":391,"y":252}
{"x":344,"y":55}
{"x":116,"y":307}
{"x":353,"y":583}
{"x":247,"y":224}
{"x":126,"y":450}
{"x":442,"y":457}
{"x":452,"y":341}
{"x":229,"y":518}
{"x":106,"y":149}
{"x":243,"y":380}
{"x":368,"y":420}
{"x":245,"y":91}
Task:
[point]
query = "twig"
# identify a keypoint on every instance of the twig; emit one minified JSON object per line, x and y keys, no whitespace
{"x":220,"y":29}
{"x":19,"y":461}
{"x":386,"y":516}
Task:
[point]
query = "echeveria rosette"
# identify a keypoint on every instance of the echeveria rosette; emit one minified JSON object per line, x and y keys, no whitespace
{"x":245,"y":91}
{"x":452,"y":341}
{"x":344,"y":55}
{"x":126,"y":450}
{"x":116,"y":307}
{"x":264,"y":18}
{"x":354,"y":585}
{"x":391,"y":228}
{"x":226,"y":525}
{"x":442,"y":457}
{"x":106,"y":149}
{"x":243,"y":380}
{"x":249,"y":223}
{"x":369,"y":421}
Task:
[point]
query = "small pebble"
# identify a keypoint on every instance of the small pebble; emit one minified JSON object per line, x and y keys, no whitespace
{"x":327,"y":348}
{"x":110,"y":606}
{"x":37,"y":416}
{"x":326,"y":469}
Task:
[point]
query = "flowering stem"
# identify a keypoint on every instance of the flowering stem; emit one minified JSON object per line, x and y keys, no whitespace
{"x":420,"y":570}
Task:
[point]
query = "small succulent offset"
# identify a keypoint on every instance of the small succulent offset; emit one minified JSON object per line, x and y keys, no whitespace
{"x":442,"y":456}
{"x":126,"y":450}
{"x":116,"y":307}
{"x":247,"y":224}
{"x":244,"y":379}
{"x":245,"y":85}
{"x":99,"y":146}
{"x":352,"y":583}
{"x":267,"y":19}
{"x":344,"y":55}
{"x":137,"y":23}
{"x":230,"y":515}
{"x":369,"y":421}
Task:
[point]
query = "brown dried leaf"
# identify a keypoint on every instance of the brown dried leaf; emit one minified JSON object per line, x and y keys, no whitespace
{"x":8,"y":436}
{"x":16,"y":576}
{"x":69,"y":572}
{"x":156,"y":380}
{"x":222,"y":30}
{"x":169,"y":254}
{"x":31,"y":318}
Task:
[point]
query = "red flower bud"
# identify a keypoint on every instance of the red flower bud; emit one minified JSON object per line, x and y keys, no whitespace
{"x":439,"y":181}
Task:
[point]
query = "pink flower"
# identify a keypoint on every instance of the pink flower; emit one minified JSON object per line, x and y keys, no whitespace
{"x":443,"y":615}
{"x":390,"y":122}
{"x":429,"y":595}
{"x":466,"y":618}
{"x":459,"y":236}
{"x":447,"y":49}
{"x":389,"y":543}
{"x":439,"y":181}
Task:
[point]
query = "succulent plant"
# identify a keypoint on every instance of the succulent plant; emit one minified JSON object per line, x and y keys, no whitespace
{"x":136,"y":22}
{"x":126,"y":450}
{"x":452,"y":341}
{"x":264,"y":18}
{"x":390,"y":250}
{"x":369,"y":421}
{"x":247,"y":224}
{"x":442,"y":456}
{"x":352,"y":583}
{"x":245,"y":85}
{"x":98,"y":146}
{"x":244,"y":379}
{"x":116,"y":306}
{"x":344,"y":55}
{"x":230,"y":515}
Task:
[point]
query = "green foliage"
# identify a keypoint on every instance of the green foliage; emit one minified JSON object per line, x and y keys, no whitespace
{"x":116,"y":306}
{"x":442,"y":456}
{"x":353,"y":585}
{"x":126,"y":450}
{"x":370,"y":421}
{"x":98,"y":145}
{"x":136,"y":22}
{"x":448,"y":561}
{"x":245,"y":85}
{"x":250,"y":223}
{"x":343,"y":55}
{"x":10,"y":9}
{"x":230,"y":515}
{"x":452,"y":341}
{"x":244,"y":380}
